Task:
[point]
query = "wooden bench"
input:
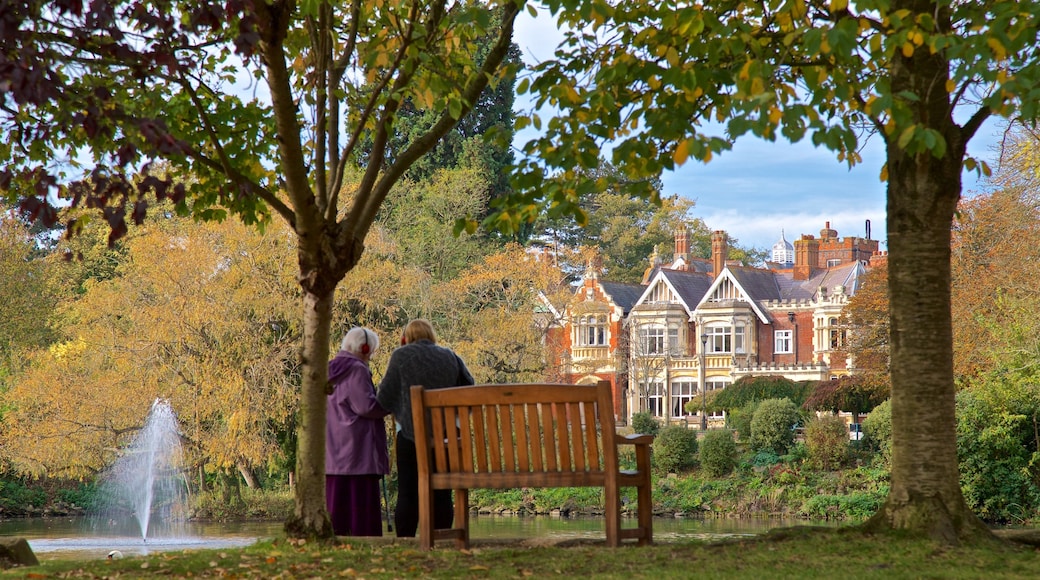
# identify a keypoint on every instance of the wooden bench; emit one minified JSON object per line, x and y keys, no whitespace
{"x":524,"y":435}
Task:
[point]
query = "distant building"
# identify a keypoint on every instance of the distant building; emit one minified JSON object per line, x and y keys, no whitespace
{"x":649,"y":339}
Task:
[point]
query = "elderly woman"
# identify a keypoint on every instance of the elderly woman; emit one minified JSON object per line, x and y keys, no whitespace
{"x":419,"y":361}
{"x":355,"y":439}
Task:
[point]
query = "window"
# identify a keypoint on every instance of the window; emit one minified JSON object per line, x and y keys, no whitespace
{"x":782,"y":341}
{"x":592,"y":330}
{"x":725,"y":339}
{"x":714,"y":385}
{"x":837,"y":335}
{"x":673,"y":342}
{"x":655,"y":399}
{"x":833,"y":262}
{"x":682,"y":392}
{"x":651,"y":338}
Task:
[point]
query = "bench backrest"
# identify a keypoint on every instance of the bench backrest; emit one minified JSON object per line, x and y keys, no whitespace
{"x":518,"y":435}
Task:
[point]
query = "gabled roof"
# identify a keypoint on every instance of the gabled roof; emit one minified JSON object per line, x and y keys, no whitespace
{"x":688,"y":287}
{"x":624,"y":295}
{"x":844,"y":275}
{"x":756,"y":286}
{"x":753,"y":286}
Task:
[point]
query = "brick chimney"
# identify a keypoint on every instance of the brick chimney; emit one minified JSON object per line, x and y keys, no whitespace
{"x":827,"y":233}
{"x":806,"y":256}
{"x":682,"y":244}
{"x":719,"y":252}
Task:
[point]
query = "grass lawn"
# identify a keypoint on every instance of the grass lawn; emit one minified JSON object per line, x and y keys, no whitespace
{"x":792,"y":553}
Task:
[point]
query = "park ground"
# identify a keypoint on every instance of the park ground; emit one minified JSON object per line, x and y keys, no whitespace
{"x":802,"y":553}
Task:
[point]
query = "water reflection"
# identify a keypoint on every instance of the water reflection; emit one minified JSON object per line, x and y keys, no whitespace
{"x":73,"y":538}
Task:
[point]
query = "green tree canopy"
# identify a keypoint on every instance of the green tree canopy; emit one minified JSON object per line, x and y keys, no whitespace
{"x":264,"y":105}
{"x":753,"y":389}
{"x":660,"y":84}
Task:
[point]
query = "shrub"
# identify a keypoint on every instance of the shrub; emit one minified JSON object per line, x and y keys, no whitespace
{"x":675,"y":448}
{"x":827,"y":442}
{"x":644,"y":423}
{"x":997,"y":457}
{"x":877,"y":428}
{"x":718,"y":453}
{"x":771,"y":426}
{"x":739,"y":420}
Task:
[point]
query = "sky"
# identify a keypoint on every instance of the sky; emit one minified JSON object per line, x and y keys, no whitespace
{"x":760,"y":189}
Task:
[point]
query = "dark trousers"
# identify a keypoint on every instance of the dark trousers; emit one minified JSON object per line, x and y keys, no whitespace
{"x":353,"y":503}
{"x":406,"y":515}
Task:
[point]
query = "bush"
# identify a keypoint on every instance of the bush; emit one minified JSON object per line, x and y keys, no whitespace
{"x":996,"y":449}
{"x":645,"y":424}
{"x":827,"y":442}
{"x":772,"y":426}
{"x":877,"y":428}
{"x":718,"y":454}
{"x":675,"y":449}
{"x":739,"y":420}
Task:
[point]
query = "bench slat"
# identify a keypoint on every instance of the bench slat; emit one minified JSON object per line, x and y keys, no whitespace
{"x":517,"y":480}
{"x":523,"y":457}
{"x":574,"y":413}
{"x":548,"y":441}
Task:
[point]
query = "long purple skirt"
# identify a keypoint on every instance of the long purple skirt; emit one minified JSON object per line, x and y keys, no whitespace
{"x":354,"y":504}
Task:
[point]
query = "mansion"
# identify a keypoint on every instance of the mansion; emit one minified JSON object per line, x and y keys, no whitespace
{"x":696,"y":325}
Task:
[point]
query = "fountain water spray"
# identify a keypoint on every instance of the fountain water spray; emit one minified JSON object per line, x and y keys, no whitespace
{"x":146,"y":480}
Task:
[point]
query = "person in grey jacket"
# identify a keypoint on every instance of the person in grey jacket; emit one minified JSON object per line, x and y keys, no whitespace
{"x":355,"y":439}
{"x":419,"y":361}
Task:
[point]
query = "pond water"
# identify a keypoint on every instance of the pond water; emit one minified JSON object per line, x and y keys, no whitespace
{"x":75,"y":538}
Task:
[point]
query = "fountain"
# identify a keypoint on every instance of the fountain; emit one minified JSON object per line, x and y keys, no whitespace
{"x":145,"y":482}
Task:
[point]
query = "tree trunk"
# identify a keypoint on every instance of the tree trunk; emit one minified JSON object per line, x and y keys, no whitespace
{"x":310,"y":517}
{"x":925,"y":497}
{"x":247,"y":475}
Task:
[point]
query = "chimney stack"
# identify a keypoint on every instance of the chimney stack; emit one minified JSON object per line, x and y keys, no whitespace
{"x":806,"y":256}
{"x":682,"y":244}
{"x":719,"y":252}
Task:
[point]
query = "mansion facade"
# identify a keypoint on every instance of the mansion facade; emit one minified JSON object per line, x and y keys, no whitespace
{"x":696,"y":325}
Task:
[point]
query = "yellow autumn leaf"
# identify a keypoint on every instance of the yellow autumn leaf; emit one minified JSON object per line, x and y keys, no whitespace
{"x":839,"y":6}
{"x":745,"y":71}
{"x":682,"y":152}
{"x":908,"y":49}
{"x":998,"y":49}
{"x":951,"y":85}
{"x":774,"y":115}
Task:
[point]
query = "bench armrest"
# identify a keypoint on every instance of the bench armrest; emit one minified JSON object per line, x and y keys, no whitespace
{"x":635,"y":439}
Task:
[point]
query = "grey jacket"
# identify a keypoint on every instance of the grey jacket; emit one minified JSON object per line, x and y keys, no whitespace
{"x":418,"y":363}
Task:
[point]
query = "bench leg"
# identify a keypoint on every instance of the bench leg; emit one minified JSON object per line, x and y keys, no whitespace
{"x":645,"y":507}
{"x":462,"y":518}
{"x":612,"y":511}
{"x":426,"y":531}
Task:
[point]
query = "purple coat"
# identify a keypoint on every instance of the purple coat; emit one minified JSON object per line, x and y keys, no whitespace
{"x":355,"y":435}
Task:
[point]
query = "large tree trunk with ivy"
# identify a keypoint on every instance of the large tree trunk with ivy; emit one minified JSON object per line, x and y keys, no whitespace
{"x":923,"y":191}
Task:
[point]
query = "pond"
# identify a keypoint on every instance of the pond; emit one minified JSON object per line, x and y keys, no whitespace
{"x":75,"y":538}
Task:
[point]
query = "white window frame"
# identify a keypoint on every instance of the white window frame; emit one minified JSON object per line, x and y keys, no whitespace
{"x":682,"y":393}
{"x":652,"y":339}
{"x":714,"y":385}
{"x":783,"y":341}
{"x":592,"y":330}
{"x":725,"y":339}
{"x":655,"y":398}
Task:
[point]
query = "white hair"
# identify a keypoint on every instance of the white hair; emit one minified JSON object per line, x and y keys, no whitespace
{"x":358,"y":337}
